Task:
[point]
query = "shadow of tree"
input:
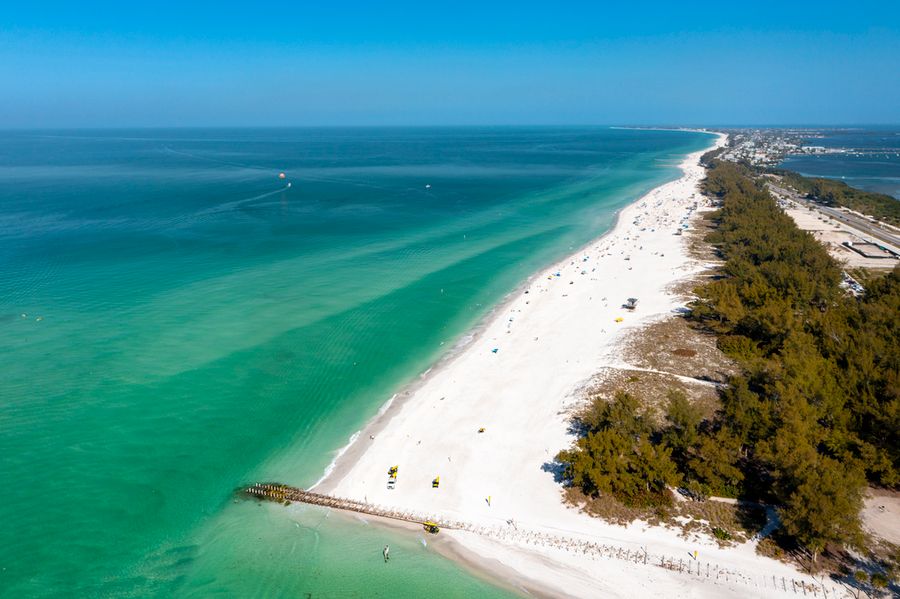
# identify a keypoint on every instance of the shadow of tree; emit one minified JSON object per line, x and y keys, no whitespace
{"x":557,"y":468}
{"x":577,"y":427}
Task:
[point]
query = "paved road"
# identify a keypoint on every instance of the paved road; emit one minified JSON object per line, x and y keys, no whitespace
{"x":861,"y":224}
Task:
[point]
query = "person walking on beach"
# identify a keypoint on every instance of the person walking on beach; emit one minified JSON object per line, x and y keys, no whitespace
{"x":386,"y":552}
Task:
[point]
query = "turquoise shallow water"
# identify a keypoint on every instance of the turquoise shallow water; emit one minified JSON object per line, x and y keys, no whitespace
{"x":175,"y":322}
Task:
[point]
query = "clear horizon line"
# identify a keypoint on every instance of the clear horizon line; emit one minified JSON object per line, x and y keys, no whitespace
{"x":456,"y":125}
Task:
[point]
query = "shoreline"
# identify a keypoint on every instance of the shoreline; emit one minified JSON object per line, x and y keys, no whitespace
{"x":494,"y":572}
{"x":520,"y":378}
{"x":495,"y":561}
{"x":356,"y":442}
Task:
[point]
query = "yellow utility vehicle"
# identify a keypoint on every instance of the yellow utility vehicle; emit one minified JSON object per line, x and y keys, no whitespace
{"x":392,"y":477}
{"x":431,"y":527}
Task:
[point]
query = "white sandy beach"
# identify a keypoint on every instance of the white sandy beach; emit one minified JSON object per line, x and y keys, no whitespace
{"x":550,"y":340}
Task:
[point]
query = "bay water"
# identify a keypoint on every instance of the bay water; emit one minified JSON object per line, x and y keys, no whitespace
{"x":869,"y":160}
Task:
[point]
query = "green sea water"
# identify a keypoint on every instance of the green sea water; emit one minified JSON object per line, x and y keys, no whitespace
{"x":176,"y":322}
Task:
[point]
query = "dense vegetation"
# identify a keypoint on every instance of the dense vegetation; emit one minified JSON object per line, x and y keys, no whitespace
{"x":816,"y":411}
{"x":617,"y":455}
{"x":708,"y":157}
{"x":837,"y":193}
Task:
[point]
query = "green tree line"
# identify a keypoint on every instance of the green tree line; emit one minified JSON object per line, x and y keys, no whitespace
{"x":837,"y":193}
{"x":816,"y":410}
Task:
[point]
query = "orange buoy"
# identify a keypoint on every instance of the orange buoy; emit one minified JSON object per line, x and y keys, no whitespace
{"x":281,"y":175}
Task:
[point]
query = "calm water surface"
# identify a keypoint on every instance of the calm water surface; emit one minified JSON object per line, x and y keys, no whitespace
{"x":176,"y":322}
{"x":874,"y":167}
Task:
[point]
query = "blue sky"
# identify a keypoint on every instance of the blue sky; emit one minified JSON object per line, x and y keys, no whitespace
{"x":99,"y":64}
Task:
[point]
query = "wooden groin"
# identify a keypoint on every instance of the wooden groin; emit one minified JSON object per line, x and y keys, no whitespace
{"x":510,"y":532}
{"x":286,"y":494}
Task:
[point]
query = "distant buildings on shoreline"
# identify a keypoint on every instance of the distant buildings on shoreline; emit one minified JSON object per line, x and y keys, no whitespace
{"x":768,"y":147}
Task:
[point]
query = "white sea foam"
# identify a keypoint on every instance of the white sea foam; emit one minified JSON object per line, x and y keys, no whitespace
{"x":387,"y":404}
{"x":464,"y":341}
{"x":330,"y":467}
{"x":337,"y":456}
